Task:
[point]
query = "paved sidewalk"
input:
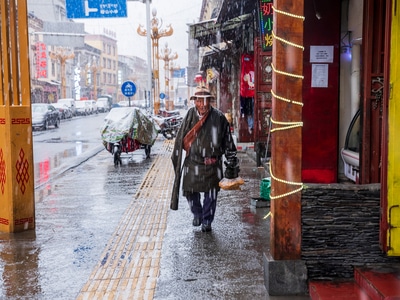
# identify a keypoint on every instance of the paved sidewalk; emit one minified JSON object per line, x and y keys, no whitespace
{"x":156,"y":253}
{"x":130,"y":264}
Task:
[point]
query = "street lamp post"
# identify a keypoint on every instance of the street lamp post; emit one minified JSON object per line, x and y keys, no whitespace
{"x":173,"y":67}
{"x":94,"y":70}
{"x":62,"y":55}
{"x":166,"y":55}
{"x":155,"y":34}
{"x":149,"y":75}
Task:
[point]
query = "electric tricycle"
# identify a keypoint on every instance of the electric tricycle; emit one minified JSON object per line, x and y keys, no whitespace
{"x":127,"y":129}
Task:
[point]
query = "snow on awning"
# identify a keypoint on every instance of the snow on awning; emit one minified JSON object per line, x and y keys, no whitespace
{"x":204,"y":32}
{"x":210,"y":32}
{"x":233,"y":9}
{"x":214,"y":57}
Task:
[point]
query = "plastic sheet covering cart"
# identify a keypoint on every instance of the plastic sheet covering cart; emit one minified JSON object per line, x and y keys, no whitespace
{"x":127,"y":129}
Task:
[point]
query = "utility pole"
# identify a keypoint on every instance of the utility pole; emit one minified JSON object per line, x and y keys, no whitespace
{"x":148,"y":36}
{"x":62,"y":55}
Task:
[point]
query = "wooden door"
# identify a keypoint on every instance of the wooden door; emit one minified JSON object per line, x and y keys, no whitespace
{"x":262,"y":98}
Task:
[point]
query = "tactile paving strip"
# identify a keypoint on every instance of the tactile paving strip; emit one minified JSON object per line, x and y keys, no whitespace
{"x":129,"y":265}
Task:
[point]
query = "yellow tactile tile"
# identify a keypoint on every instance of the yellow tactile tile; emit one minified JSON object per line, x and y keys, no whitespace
{"x":129,"y":266}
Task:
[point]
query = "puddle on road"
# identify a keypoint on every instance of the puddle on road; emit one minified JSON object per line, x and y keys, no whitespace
{"x":18,"y":265}
{"x":43,"y":169}
{"x":76,"y":216}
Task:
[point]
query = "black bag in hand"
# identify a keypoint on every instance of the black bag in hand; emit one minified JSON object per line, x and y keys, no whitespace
{"x":232,"y":168}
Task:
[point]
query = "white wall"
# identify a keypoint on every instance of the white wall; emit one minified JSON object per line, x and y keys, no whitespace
{"x":351,"y":45}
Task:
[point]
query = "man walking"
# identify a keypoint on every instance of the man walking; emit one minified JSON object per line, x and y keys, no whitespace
{"x":205,"y":137}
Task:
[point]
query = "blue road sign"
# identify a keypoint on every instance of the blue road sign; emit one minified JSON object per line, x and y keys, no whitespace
{"x":162,"y":96}
{"x":128,"y":89}
{"x":179,"y":73}
{"x":80,"y":9}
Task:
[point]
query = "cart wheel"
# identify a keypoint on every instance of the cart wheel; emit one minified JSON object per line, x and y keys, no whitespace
{"x":147,"y":150}
{"x":168,"y":134}
{"x":117,"y":156}
{"x":173,"y":133}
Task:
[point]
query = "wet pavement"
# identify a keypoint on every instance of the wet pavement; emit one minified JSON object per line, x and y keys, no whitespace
{"x":76,"y":214}
{"x":223,"y":264}
{"x":107,"y":233}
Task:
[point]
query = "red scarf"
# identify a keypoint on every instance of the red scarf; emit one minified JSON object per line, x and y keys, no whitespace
{"x":192,"y":133}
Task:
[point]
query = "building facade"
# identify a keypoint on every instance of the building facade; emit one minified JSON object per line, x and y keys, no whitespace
{"x":134,"y":69}
{"x":107,"y":66}
{"x":349,"y":64}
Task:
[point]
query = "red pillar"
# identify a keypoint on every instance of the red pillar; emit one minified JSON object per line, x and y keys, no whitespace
{"x":286,"y":147}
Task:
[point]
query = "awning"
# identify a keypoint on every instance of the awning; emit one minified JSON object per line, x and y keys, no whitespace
{"x":211,"y":32}
{"x":205,"y":32}
{"x":231,"y":10}
{"x":214,"y":58}
{"x":49,"y":81}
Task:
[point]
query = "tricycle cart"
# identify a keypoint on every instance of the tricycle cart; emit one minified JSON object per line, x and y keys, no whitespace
{"x":127,"y":129}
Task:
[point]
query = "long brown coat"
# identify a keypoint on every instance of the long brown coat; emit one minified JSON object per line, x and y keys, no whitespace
{"x":212,"y":142}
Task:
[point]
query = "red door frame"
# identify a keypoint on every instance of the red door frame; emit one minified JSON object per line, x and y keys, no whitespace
{"x":374,"y":118}
{"x":262,"y":99}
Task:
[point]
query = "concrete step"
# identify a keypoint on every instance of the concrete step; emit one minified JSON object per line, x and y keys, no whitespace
{"x":378,"y":282}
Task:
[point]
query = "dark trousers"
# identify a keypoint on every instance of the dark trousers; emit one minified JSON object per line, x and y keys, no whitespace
{"x":206,"y":211}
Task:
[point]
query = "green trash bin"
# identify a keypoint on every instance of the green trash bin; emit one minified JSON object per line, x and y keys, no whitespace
{"x":265,"y":188}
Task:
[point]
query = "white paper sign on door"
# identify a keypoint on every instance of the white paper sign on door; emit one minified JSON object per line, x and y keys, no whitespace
{"x":319,"y":76}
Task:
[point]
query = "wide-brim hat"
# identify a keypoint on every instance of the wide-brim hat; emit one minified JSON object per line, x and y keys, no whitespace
{"x":202,"y":92}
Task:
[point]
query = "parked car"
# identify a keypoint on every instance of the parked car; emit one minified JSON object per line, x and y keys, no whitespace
{"x":65,"y":111}
{"x":103,"y":105}
{"x":70,"y":103}
{"x":93,"y":106}
{"x":45,"y":115}
{"x":108,"y":97}
{"x":114,"y":105}
{"x":139,"y":103}
{"x":82,"y":107}
{"x":123,"y":103}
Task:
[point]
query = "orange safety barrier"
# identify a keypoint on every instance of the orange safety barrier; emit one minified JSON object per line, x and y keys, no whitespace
{"x":17,"y":203}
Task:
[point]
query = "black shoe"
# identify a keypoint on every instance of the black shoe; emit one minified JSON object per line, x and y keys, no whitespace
{"x":196,"y":221}
{"x":206,"y":227}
